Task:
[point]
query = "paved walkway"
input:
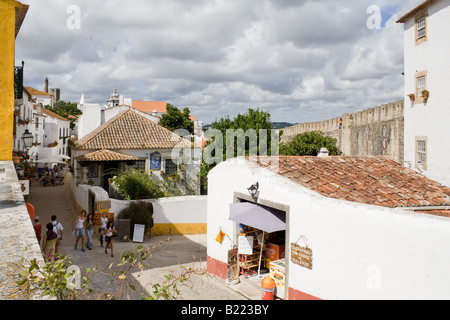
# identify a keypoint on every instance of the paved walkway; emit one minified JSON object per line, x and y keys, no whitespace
{"x":169,"y":253}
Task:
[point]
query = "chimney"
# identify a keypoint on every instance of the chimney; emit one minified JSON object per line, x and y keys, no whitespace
{"x":323,"y":153}
{"x":46,"y":85}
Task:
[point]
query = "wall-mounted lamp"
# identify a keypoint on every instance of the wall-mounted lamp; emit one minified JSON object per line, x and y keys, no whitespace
{"x":254,"y":190}
{"x":27,"y":139}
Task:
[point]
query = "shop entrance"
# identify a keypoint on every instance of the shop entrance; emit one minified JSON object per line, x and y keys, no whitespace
{"x":261,"y":242}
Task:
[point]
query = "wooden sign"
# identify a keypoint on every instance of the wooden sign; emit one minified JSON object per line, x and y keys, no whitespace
{"x":301,"y":255}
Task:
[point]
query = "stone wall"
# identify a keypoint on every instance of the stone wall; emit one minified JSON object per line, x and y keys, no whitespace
{"x":373,"y":132}
{"x":17,"y":238}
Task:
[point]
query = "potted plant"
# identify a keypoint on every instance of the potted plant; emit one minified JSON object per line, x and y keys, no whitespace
{"x":412,"y":97}
{"x":16,"y":158}
{"x":425,"y":95}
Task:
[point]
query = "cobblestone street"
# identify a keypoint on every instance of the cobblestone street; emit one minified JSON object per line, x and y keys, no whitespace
{"x":169,"y":253}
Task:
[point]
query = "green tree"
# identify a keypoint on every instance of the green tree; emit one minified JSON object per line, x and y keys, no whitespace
{"x":65,"y":109}
{"x":309,"y":144}
{"x":136,"y":185}
{"x":177,"y":119}
{"x":252,"y":121}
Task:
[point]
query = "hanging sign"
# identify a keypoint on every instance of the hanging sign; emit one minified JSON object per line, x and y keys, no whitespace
{"x":301,"y":255}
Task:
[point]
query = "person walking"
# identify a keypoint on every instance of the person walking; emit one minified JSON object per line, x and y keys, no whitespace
{"x":109,"y":233}
{"x":103,"y":222}
{"x":78,"y":226}
{"x":49,"y":242}
{"x":58,"y":228}
{"x":90,"y":230}
{"x":37,"y":229}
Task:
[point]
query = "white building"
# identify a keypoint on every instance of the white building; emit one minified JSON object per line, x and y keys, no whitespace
{"x":47,"y":99}
{"x":427,"y":67}
{"x":369,"y":228}
{"x":57,"y":133}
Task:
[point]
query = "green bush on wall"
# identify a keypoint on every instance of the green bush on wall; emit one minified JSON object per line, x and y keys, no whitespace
{"x":138,"y":212}
{"x":136,"y":185}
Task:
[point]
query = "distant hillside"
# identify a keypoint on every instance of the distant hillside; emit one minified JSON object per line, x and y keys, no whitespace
{"x":276,"y":125}
{"x":281,"y":125}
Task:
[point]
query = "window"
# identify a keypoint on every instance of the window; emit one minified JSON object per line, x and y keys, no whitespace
{"x":170,"y":168}
{"x":421,"y":29}
{"x":139,"y":165}
{"x":421,"y":84}
{"x":421,"y":153}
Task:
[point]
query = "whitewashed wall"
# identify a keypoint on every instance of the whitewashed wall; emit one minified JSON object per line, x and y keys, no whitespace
{"x":359,"y":251}
{"x":171,"y":210}
{"x":174,"y":210}
{"x":430,"y":119}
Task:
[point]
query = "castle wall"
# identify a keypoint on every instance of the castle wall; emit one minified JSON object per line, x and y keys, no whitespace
{"x":373,"y":132}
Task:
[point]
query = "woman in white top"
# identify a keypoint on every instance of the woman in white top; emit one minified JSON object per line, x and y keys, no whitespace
{"x":109,"y":232}
{"x":78,"y":226}
{"x":103,"y":221}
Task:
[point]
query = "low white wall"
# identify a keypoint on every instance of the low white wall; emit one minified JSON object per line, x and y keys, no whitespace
{"x":174,"y":210}
{"x":187,"y":214}
{"x":358,"y":251}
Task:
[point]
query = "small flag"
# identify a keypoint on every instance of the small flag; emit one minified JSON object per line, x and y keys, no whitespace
{"x":220,"y":236}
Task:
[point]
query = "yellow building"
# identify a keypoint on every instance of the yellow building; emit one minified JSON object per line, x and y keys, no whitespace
{"x":12,"y":14}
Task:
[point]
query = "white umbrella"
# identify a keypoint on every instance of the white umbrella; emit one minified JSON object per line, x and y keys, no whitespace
{"x":258,"y":217}
{"x":51,"y":159}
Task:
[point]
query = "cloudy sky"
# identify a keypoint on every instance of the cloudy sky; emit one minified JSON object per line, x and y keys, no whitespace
{"x":301,"y":60}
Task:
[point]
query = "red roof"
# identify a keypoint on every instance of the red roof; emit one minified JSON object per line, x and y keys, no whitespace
{"x":369,"y":180}
{"x":150,"y":106}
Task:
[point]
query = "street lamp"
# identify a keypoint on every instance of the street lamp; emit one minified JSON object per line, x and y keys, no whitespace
{"x":254,"y":190}
{"x":27,"y":139}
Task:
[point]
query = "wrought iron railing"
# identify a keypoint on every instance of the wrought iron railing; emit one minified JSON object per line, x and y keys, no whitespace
{"x":18,"y":82}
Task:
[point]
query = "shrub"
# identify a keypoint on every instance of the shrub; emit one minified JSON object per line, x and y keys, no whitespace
{"x":139,"y":212}
{"x":136,"y":185}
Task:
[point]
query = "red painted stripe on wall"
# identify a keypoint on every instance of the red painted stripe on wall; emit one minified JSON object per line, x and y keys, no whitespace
{"x":220,"y":269}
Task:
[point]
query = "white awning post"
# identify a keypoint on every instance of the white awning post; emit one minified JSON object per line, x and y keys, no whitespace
{"x":260,"y":254}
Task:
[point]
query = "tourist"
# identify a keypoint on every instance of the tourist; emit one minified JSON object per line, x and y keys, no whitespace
{"x":52,"y":178}
{"x":78,"y":227}
{"x":90,"y":230}
{"x":49,"y":242}
{"x":37,"y":229}
{"x":109,"y":231}
{"x":44,"y":178}
{"x":103,"y":222}
{"x":58,"y":228}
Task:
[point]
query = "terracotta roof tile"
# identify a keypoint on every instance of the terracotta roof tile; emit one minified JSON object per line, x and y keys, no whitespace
{"x":54,"y":115}
{"x":414,"y":11}
{"x":129,"y":130}
{"x":105,"y":155}
{"x":36,"y":92}
{"x":150,"y":106}
{"x":368,"y":180}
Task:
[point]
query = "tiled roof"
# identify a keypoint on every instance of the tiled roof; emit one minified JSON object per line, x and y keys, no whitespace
{"x":105,"y":155}
{"x":128,"y":130}
{"x":53,"y":115}
{"x":416,"y":10}
{"x":21,"y":11}
{"x":150,"y":106}
{"x":36,"y":92}
{"x":369,"y":180}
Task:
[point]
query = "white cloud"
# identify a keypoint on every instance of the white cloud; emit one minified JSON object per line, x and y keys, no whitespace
{"x":300,"y":60}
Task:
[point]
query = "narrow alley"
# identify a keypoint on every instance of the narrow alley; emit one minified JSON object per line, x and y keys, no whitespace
{"x":168,"y":254}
